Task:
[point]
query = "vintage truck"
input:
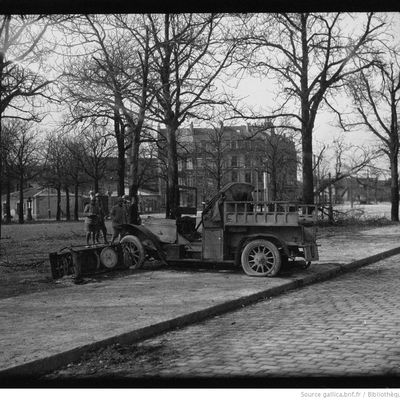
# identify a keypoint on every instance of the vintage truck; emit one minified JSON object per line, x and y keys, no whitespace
{"x":234,"y":228}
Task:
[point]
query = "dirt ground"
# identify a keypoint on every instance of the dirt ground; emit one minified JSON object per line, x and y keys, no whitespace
{"x":24,"y":252}
{"x":24,"y":255}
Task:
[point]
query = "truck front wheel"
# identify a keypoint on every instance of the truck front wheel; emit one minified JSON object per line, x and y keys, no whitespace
{"x":261,"y":258}
{"x":133,"y":252}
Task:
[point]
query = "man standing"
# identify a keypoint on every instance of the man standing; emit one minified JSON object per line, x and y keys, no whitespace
{"x":119,"y":217}
{"x":127,"y":204}
{"x":101,"y":226}
{"x":132,"y":211}
{"x":91,"y":218}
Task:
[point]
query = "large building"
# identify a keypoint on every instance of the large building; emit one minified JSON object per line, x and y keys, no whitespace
{"x":211,"y":157}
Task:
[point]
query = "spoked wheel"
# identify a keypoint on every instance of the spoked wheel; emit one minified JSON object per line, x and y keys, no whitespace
{"x":133,"y":252}
{"x":261,"y":258}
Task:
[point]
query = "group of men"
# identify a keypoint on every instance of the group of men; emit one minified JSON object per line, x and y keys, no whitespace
{"x":95,"y":218}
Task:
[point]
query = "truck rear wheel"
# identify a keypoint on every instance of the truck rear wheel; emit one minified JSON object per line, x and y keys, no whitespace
{"x":133,"y":252}
{"x":261,"y":258}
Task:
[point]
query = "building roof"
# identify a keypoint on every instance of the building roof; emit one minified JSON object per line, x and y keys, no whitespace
{"x":193,"y":134}
{"x":141,"y":192}
{"x":35,"y":192}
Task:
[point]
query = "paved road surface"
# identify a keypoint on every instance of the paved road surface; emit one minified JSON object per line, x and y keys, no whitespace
{"x":348,"y":326}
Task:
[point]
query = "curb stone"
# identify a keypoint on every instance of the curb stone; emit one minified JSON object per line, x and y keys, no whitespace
{"x":45,"y":365}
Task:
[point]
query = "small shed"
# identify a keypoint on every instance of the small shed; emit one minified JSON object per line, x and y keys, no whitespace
{"x":41,"y":201}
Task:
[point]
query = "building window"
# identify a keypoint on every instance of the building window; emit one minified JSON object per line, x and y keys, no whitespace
{"x":189,"y":163}
{"x":234,"y":144}
{"x":247,"y":176}
{"x":190,"y":180}
{"x":247,"y":161}
{"x":234,"y":176}
{"x":234,"y":161}
{"x":199,"y":163}
{"x":180,"y":165}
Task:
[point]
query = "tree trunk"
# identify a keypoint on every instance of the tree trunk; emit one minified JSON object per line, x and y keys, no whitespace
{"x":1,"y":191}
{"x":7,"y":211}
{"x":21,"y":201}
{"x":219,"y":172}
{"x":133,"y":179}
{"x":1,"y":158}
{"x":274,"y":181}
{"x":67,"y":207}
{"x":330,"y":209}
{"x":166,"y":199}
{"x":394,"y":162}
{"x":306,"y":127}
{"x":394,"y":188}
{"x":58,"y":214}
{"x":119,"y":135}
{"x":308,"y":182}
{"x":96,"y":185}
{"x":76,"y":205}
{"x":172,"y":171}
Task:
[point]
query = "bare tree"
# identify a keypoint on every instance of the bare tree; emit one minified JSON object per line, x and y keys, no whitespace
{"x":73,"y":155}
{"x":276,"y":155}
{"x":55,"y":174}
{"x":111,"y":81}
{"x":22,"y":51}
{"x":376,"y":98}
{"x":215,"y":155}
{"x":6,"y":155}
{"x":310,"y":55}
{"x":21,"y":54}
{"x":26,"y":158}
{"x":96,"y":147}
{"x":148,"y":163}
{"x":188,"y":55}
{"x":338,"y":161}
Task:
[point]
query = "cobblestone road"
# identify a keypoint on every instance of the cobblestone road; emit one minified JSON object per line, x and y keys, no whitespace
{"x":347,"y":326}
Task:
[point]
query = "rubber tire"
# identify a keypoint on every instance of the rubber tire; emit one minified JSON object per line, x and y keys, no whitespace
{"x":271,"y":251}
{"x":135,"y":244}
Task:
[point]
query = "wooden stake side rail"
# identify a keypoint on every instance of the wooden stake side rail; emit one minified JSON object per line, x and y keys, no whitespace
{"x":269,"y":213}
